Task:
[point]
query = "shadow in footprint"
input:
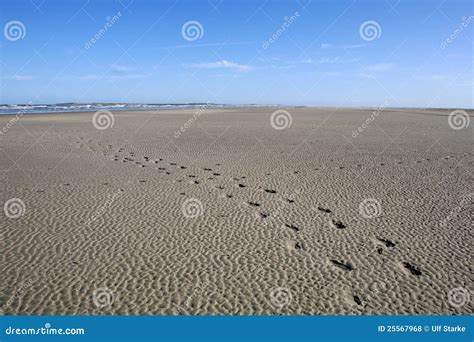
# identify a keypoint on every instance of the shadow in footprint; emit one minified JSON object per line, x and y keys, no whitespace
{"x":344,"y":266}
{"x":357,"y":300}
{"x":338,"y":224}
{"x":412,"y":269}
{"x":324,"y":210}
{"x":254,"y":204}
{"x":270,"y":191}
{"x":386,"y":242}
{"x":293,"y":227}
{"x":294,"y":245}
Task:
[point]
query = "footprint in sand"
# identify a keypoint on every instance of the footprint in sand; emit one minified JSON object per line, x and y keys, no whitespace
{"x":357,"y":300}
{"x":338,"y":224}
{"x":253,"y":204}
{"x":293,"y":245}
{"x":387,"y":243}
{"x":412,"y":269}
{"x":324,"y":210}
{"x":270,"y":191}
{"x":293,"y":227}
{"x":343,"y":266}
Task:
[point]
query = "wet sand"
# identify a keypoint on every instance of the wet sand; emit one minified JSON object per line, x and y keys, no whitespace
{"x":214,"y":211}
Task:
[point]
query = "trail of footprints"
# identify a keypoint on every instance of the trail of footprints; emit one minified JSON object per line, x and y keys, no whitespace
{"x":121,"y":156}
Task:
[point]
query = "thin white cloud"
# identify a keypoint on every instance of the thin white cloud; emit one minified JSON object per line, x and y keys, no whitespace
{"x":223,"y":64}
{"x":378,"y":67}
{"x":20,"y":77}
{"x":341,"y":46}
{"x":440,"y":77}
{"x":332,"y":60}
{"x":97,"y":77}
{"x":120,"y":68}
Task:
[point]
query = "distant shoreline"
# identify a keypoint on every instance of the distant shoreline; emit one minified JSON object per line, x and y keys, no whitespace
{"x":20,"y":110}
{"x":93,"y":107}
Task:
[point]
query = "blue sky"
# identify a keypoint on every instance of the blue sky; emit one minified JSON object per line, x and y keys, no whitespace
{"x":318,"y":58}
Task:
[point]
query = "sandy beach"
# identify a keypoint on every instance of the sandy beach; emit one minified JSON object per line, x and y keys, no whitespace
{"x":227,"y":212}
